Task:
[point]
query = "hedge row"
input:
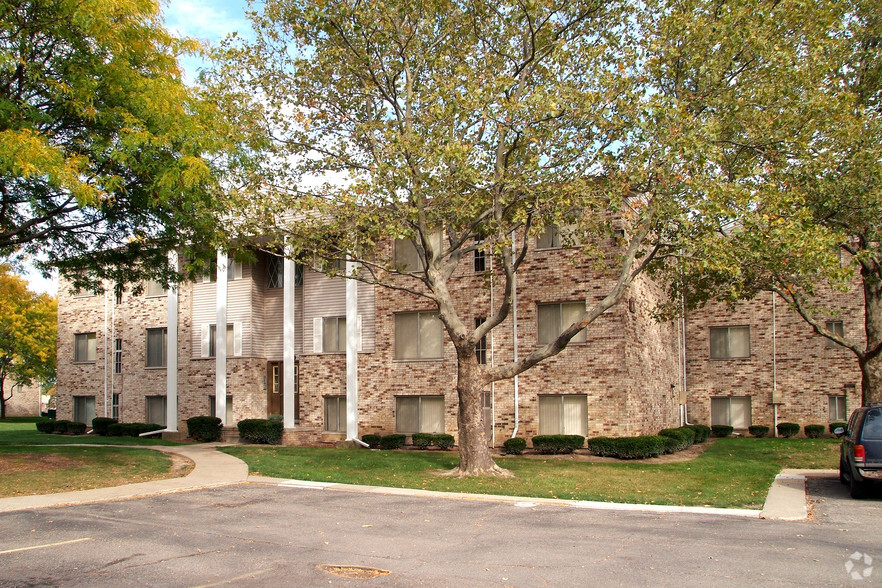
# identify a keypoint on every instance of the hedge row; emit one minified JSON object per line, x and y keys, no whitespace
{"x":131,"y":429}
{"x":640,"y":447}
{"x":264,"y":431}
{"x":557,"y":444}
{"x":100,"y":425}
{"x":424,"y":440}
{"x":62,"y":427}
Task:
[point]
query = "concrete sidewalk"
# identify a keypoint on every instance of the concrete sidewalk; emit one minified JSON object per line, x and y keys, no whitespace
{"x":786,"y":500}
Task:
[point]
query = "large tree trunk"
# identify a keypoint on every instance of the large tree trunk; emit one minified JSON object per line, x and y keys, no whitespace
{"x":474,"y":453}
{"x":3,"y":399}
{"x":871,"y":361}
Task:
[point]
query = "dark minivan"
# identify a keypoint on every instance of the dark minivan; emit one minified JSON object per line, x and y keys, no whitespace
{"x":860,"y":459}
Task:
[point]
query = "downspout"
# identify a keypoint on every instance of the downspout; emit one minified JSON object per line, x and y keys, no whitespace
{"x":774,"y":365}
{"x":106,"y":331}
{"x":514,"y":320}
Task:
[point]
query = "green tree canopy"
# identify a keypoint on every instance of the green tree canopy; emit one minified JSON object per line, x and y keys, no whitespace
{"x":28,"y":327}
{"x":106,"y":156}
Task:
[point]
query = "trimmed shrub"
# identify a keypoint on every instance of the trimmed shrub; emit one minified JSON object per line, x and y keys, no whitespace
{"x":46,"y":425}
{"x":627,"y":447}
{"x":685,"y":437}
{"x":788,"y":429}
{"x":442,"y":441}
{"x":514,"y":446}
{"x":394,"y":441}
{"x":131,"y":429}
{"x":100,"y":424}
{"x":61,"y":426}
{"x":421,"y":440}
{"x":758,"y":430}
{"x":557,"y":444}
{"x":205,"y":428}
{"x":702,"y":432}
{"x":721,"y":430}
{"x":672,"y":444}
{"x":833,"y":426}
{"x":114,"y":430}
{"x":814,"y":431}
{"x":73,"y":428}
{"x":263,"y":431}
{"x":372,"y":440}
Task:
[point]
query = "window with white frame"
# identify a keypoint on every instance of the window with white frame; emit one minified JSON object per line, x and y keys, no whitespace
{"x":84,"y":409}
{"x":333,"y":334}
{"x":549,"y":238}
{"x":157,"y":344}
{"x":563,"y":414}
{"x":154,"y":288}
{"x":554,"y":318}
{"x":234,"y":270}
{"x":419,"y":414}
{"x":480,"y":260}
{"x":837,"y":408}
{"x":275,"y":273}
{"x":114,"y":406}
{"x":85,"y":349}
{"x":730,"y":342}
{"x":156,"y":409}
{"x":734,"y":411}
{"x":234,"y":340}
{"x":481,"y":346}
{"x":335,"y":414}
{"x":418,"y":335}
{"x":838,"y":329}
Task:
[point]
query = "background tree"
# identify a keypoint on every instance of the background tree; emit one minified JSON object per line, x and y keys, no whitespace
{"x":106,"y":157}
{"x":28,"y":327}
{"x":790,"y":176}
{"x":458,"y":125}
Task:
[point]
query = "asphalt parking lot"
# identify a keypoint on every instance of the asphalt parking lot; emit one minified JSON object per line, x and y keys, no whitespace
{"x":266,"y":535}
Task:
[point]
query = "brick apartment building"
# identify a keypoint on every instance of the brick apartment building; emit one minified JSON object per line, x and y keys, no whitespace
{"x":286,"y":351}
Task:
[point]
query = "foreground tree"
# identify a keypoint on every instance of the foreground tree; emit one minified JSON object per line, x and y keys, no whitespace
{"x":457,"y":126}
{"x":27,"y":336}
{"x":105,"y":154}
{"x":791,"y":177}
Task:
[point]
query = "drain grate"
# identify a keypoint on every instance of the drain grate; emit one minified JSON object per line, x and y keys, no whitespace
{"x":356,"y":572}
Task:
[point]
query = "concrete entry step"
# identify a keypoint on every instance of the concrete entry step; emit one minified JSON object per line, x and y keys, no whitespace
{"x":231,"y":435}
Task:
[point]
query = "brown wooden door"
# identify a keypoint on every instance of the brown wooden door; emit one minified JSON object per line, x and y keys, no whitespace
{"x":275,"y":397}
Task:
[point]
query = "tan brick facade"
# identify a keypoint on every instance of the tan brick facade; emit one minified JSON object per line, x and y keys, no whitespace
{"x":629,"y":372}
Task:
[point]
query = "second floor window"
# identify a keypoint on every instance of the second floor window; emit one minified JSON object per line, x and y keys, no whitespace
{"x":418,"y":335}
{"x":729,"y":342}
{"x":837,"y":328}
{"x":84,"y":347}
{"x":554,"y":318}
{"x":157,"y":342}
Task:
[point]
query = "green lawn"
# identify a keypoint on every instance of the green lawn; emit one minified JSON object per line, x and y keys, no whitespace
{"x":731,"y":473}
{"x":20,"y":432}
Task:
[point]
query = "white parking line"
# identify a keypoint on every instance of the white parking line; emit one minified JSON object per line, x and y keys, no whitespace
{"x":45,"y":546}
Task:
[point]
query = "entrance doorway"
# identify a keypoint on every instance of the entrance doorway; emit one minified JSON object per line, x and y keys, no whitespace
{"x":275,"y":390}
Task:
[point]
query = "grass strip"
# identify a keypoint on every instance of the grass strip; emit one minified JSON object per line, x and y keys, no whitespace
{"x":15,"y":432}
{"x":28,"y":470}
{"x":732,"y":473}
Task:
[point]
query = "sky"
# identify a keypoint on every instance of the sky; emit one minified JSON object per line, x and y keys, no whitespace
{"x":205,"y":20}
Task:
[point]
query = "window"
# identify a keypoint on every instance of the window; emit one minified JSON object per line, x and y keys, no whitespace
{"x":157,"y":344}
{"x":333,"y":334}
{"x":154,"y":288}
{"x":156,"y":410}
{"x":209,"y":340}
{"x":117,"y":356}
{"x":210,"y":272}
{"x":729,"y":343}
{"x":79,"y":293}
{"x":837,"y":408}
{"x":418,"y":335}
{"x":554,"y":318}
{"x":84,"y":347}
{"x":114,"y":407}
{"x":84,"y":409}
{"x":212,"y":409}
{"x":419,"y":414}
{"x":733,"y":411}
{"x":549,"y":239}
{"x":406,"y":256}
{"x":563,"y":414}
{"x":481,"y":347}
{"x":118,"y":296}
{"x":275,"y":273}
{"x":480,"y":259}
{"x":837,"y":328}
{"x":234,"y":270}
{"x":335,"y":414}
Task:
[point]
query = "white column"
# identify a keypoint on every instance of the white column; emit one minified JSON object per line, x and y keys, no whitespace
{"x":290,"y":352}
{"x":171,"y":360}
{"x":220,"y":340}
{"x":351,"y":353}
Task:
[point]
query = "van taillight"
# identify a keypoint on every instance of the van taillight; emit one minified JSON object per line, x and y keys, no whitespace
{"x":859,"y":453}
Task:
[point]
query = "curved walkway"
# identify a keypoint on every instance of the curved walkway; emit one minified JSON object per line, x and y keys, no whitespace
{"x":786,"y":499}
